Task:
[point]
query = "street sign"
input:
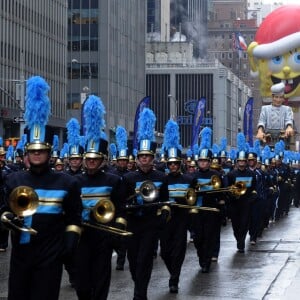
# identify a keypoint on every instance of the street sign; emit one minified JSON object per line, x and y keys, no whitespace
{"x":18,"y":120}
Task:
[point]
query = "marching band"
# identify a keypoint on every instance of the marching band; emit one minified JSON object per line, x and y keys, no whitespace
{"x":74,"y":207}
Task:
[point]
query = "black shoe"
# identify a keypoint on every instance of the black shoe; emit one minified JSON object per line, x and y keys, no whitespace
{"x":120,"y":268}
{"x":241,"y":250}
{"x":173,"y":289}
{"x":204,"y":270}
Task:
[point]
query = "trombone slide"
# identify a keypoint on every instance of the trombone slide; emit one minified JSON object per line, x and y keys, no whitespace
{"x":110,"y":229}
{"x":4,"y":219}
{"x":196,"y":207}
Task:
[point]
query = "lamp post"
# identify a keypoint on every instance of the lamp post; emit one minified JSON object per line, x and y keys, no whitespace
{"x":173,"y":107}
{"x":75,"y":61}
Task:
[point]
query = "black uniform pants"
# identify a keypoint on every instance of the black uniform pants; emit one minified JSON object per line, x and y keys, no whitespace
{"x":3,"y":238}
{"x":140,"y":252}
{"x":173,"y":241}
{"x":240,"y":215}
{"x":93,"y":265}
{"x":34,"y":274}
{"x":206,"y":226}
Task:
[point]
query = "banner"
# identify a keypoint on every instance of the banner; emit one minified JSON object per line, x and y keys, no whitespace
{"x":145,"y":102}
{"x":248,"y":120}
{"x":198,"y":117}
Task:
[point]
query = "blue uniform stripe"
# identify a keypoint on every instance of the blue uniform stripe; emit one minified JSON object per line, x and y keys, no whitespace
{"x":25,"y":236}
{"x":247,"y":180}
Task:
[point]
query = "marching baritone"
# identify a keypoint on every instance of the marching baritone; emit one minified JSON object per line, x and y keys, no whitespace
{"x":53,"y":211}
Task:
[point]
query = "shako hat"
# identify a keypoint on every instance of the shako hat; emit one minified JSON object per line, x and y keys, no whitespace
{"x":121,"y":141}
{"x":73,"y":137}
{"x":172,"y":141}
{"x":204,"y":152}
{"x":37,"y":112}
{"x":146,"y":132}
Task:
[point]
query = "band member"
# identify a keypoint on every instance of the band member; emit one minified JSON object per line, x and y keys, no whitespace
{"x":144,"y":186}
{"x":240,"y":205}
{"x":99,"y":191}
{"x":206,"y":221}
{"x":173,"y":237}
{"x":54,"y":210}
{"x":275,"y":117}
{"x":120,"y":170}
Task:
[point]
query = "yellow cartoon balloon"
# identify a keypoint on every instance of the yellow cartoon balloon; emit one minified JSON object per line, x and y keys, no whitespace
{"x":274,"y":55}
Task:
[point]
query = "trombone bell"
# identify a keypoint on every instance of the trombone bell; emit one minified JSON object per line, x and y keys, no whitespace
{"x":104,"y":211}
{"x":148,"y":191}
{"x":23,"y":201}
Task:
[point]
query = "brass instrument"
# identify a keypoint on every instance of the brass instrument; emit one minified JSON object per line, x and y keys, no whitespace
{"x":104,"y":212}
{"x":237,"y":189}
{"x":215,"y":182}
{"x":149,"y":193}
{"x":23,"y":201}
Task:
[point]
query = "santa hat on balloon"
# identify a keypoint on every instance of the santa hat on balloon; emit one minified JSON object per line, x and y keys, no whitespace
{"x":278,"y":33}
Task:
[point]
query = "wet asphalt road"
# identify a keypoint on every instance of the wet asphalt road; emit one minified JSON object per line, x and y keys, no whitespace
{"x":270,"y":270}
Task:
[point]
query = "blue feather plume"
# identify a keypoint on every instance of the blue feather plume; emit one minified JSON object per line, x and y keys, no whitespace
{"x":266,"y":153}
{"x":189,"y":153}
{"x":82,"y":141}
{"x":257,"y":148}
{"x":24,"y":139}
{"x":20,"y":145}
{"x":113,"y":149}
{"x":73,"y":129}
{"x":10,"y":153}
{"x":146,"y":127}
{"x":232,"y":154}
{"x":1,"y":142}
{"x":195,"y":149}
{"x":37,"y":109}
{"x":241,"y":142}
{"x":103,"y":135}
{"x":55,"y":142}
{"x":135,"y":152}
{"x":172,"y":136}
{"x":205,"y":134}
{"x":223,"y":144}
{"x":121,"y":138}
{"x":94,"y":117}
{"x":215,"y":150}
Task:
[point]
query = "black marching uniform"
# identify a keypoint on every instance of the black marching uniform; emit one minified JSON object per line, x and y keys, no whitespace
{"x":36,"y":260}
{"x":206,"y":223}
{"x":240,"y":206}
{"x":173,"y":237}
{"x":145,"y":224}
{"x":94,"y":253}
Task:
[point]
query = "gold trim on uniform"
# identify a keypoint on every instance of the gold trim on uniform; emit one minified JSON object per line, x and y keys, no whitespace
{"x":121,"y":221}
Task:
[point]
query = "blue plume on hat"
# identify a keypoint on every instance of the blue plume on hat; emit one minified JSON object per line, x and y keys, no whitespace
{"x":195,"y":149}
{"x":232,"y":154}
{"x":146,"y":127}
{"x":37,"y":109}
{"x":223,"y":144}
{"x":20,"y":145}
{"x":1,"y":142}
{"x":135,"y":152}
{"x":172,"y":136}
{"x":241,"y":142}
{"x":24,"y":139}
{"x":64,"y":152}
{"x":257,"y":148}
{"x":113,"y":150}
{"x":266,"y":153}
{"x":82,"y":141}
{"x":215,"y":150}
{"x":189,"y":153}
{"x":55,"y":143}
{"x":205,"y":134}
{"x":279,"y":148}
{"x":103,"y":135}
{"x":94,"y":118}
{"x":121,"y":138}
{"x":10,"y":153}
{"x":73,"y":132}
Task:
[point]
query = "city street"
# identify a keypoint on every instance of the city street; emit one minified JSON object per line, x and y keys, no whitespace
{"x":269,"y":270}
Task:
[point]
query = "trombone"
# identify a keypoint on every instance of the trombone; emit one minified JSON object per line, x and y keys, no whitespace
{"x":149,"y":193}
{"x":104,"y":212}
{"x":23,"y":201}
